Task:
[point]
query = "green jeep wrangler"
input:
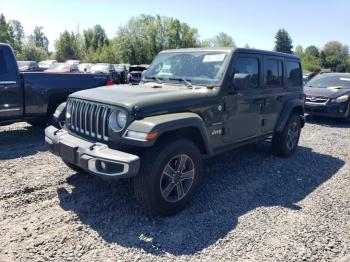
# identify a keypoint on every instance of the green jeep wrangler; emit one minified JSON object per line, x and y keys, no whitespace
{"x":191,"y":104}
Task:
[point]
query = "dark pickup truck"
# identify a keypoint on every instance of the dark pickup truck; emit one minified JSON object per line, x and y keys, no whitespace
{"x":33,"y":96}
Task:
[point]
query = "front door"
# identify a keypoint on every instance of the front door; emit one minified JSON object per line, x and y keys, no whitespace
{"x":243,"y":108}
{"x":11,"y":101}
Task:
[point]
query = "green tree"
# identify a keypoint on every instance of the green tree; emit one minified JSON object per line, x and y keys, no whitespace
{"x":6,"y":33}
{"x":299,"y":51}
{"x":32,"y":53}
{"x":220,"y":40}
{"x":283,"y":42}
{"x":39,"y":39}
{"x":68,"y":46}
{"x":334,"y":55}
{"x":312,"y":51}
{"x":94,"y":38}
{"x":18,"y":33}
{"x":144,"y":36}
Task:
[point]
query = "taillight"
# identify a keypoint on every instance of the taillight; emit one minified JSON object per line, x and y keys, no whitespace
{"x":109,"y":83}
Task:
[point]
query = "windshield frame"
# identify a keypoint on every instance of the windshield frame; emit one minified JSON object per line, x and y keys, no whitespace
{"x":212,"y":83}
{"x":336,"y":78}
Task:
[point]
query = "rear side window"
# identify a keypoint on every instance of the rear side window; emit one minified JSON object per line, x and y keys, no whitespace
{"x":274,"y":73}
{"x":247,"y":65}
{"x":294,"y":74}
{"x":3,"y":67}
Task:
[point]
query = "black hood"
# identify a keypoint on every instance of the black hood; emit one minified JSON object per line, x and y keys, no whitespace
{"x":325,"y":92}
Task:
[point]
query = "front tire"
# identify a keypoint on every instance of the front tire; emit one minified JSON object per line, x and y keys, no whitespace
{"x":169,"y":176}
{"x":285,"y":143}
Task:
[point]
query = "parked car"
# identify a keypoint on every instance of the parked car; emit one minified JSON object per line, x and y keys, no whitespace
{"x":28,"y":66}
{"x":329,"y":95}
{"x":43,"y":65}
{"x":33,"y":96}
{"x":108,"y":69}
{"x":73,"y":62}
{"x":135,"y":73}
{"x":85,"y":67}
{"x":209,"y":101}
{"x":62,"y":68}
{"x":122,"y":70}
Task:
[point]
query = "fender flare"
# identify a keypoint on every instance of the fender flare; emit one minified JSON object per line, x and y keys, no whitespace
{"x":165,"y":123}
{"x":60,"y":112}
{"x":287,"y":110}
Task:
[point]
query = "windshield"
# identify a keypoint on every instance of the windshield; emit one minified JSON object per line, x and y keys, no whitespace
{"x":100,"y":68}
{"x":197,"y":67}
{"x":23,"y":63}
{"x":330,"y":82}
{"x":59,"y":67}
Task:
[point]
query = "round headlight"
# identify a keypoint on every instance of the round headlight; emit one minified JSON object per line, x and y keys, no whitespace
{"x":121,"y":118}
{"x":117,"y":120}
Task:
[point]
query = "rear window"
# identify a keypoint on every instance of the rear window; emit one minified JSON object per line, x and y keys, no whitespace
{"x":274,"y":73}
{"x":294,"y":74}
{"x":3,"y":67}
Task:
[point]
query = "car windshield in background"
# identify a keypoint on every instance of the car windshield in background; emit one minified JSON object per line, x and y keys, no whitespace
{"x":59,"y":67}
{"x":84,"y":67}
{"x":100,"y":68}
{"x":197,"y":67}
{"x":330,"y":82}
{"x":23,"y":63}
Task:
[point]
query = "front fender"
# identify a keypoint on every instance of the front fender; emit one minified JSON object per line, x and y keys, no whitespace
{"x":60,"y":113}
{"x":166,"y":123}
{"x":287,"y":110}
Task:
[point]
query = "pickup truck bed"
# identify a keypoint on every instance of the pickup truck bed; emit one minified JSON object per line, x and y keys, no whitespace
{"x":34,"y":96}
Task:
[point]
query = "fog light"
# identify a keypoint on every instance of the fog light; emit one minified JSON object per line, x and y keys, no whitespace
{"x":103,"y":165}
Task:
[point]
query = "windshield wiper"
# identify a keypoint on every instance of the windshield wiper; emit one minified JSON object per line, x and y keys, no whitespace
{"x":180,"y":79}
{"x":158,"y":80}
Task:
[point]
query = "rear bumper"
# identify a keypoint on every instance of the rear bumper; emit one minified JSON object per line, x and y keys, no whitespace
{"x":337,"y":110}
{"x":95,"y":158}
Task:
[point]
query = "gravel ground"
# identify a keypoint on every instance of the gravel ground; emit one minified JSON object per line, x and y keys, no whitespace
{"x":252,"y":206}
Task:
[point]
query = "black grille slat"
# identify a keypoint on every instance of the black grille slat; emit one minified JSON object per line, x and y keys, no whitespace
{"x":90,"y":119}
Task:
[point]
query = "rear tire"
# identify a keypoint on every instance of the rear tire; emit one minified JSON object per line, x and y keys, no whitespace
{"x":169,"y":176}
{"x":285,"y":143}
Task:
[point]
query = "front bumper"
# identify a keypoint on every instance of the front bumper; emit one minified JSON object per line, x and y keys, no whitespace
{"x":337,"y":110}
{"x":95,"y":158}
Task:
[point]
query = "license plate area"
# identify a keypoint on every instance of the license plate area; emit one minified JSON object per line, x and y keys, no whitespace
{"x":68,"y":152}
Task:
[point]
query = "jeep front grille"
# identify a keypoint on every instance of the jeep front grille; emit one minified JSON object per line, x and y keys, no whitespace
{"x":88,"y":118}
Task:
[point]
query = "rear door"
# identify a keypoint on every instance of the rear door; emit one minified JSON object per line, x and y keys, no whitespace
{"x":11,"y":97}
{"x":243,"y":108}
{"x":274,"y":91}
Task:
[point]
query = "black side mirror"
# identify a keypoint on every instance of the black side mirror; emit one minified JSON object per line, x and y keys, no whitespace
{"x":241,"y":81}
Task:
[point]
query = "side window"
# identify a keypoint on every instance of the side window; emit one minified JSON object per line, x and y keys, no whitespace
{"x":247,"y":65}
{"x":294,"y":74}
{"x":3,"y":67}
{"x":274,"y":73}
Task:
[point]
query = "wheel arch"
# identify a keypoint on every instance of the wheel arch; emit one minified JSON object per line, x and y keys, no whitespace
{"x":292,"y":106}
{"x":168,"y":126}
